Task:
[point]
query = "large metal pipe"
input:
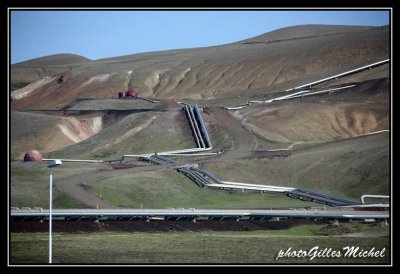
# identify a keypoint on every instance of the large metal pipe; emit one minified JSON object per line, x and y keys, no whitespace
{"x":281,"y":188}
{"x":75,"y":160}
{"x":199,"y":181}
{"x":196,"y":127}
{"x":165,"y":159}
{"x":203,"y":127}
{"x":208,"y":174}
{"x":319,"y":213}
{"x":341,"y":74}
{"x":191,"y":123}
{"x":200,"y":178}
{"x":290,"y":96}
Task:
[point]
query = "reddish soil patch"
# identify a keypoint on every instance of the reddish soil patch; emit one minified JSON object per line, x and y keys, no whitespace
{"x":122,"y":165}
{"x":271,"y":154}
{"x":154,"y":225}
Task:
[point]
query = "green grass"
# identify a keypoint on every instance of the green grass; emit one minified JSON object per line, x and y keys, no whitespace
{"x":259,"y":247}
{"x":64,"y":201}
{"x":30,"y":184}
{"x":150,"y":144}
{"x":39,"y":197}
{"x":152,"y":189}
{"x":359,"y":227}
{"x":168,"y":188}
{"x":105,"y":154}
{"x":20,"y":169}
{"x":301,"y":230}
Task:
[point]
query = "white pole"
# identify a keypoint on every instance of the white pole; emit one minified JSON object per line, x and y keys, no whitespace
{"x":50,"y":212}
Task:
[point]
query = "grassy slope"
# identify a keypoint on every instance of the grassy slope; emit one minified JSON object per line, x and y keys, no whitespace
{"x":131,"y":188}
{"x":167,"y":188}
{"x":348,"y":168}
{"x":193,"y":247}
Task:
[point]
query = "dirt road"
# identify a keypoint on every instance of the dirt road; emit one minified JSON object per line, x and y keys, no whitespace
{"x":243,"y":141}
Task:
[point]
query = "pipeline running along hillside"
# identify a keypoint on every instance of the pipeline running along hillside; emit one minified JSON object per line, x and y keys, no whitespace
{"x":203,"y":178}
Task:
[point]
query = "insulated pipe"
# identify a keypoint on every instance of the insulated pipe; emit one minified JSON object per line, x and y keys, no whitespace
{"x":165,"y":159}
{"x":267,"y":189}
{"x":203,"y":127}
{"x":194,"y":177}
{"x":301,"y":191}
{"x":74,"y":160}
{"x":191,"y":122}
{"x":341,"y":74}
{"x":196,"y":127}
{"x":180,"y":151}
{"x":282,"y":97}
{"x":261,"y":186}
{"x":191,"y":155}
{"x":208,"y":174}
{"x":317,"y":92}
{"x":314,"y":83}
{"x":190,"y":150}
{"x":200,"y":178}
{"x":293,"y":95}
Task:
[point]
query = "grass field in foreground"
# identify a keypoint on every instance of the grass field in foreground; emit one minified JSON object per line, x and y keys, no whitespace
{"x":253,"y":247}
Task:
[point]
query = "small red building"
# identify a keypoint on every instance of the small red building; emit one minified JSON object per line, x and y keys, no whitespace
{"x":131,"y":93}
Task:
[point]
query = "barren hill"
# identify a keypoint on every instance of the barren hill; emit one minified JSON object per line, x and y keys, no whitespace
{"x":55,"y":59}
{"x":303,"y":32}
{"x":27,"y":72}
{"x":214,"y":72}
